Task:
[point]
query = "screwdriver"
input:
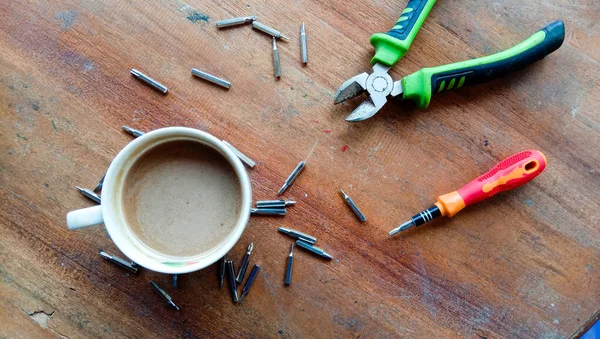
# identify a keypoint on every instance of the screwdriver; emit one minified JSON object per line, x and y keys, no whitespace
{"x":510,"y":173}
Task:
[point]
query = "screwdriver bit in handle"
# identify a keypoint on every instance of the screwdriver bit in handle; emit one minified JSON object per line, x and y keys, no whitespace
{"x":290,"y":180}
{"x":511,"y":173}
{"x":245,"y":261}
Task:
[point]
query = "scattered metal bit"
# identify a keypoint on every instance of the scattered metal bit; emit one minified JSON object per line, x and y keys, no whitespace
{"x":98,"y":187}
{"x":313,"y":249}
{"x":245,"y":261}
{"x":290,"y":180}
{"x":298,"y":235}
{"x":174,"y":280}
{"x":288,"y":270}
{"x":249,"y":162}
{"x":303,"y":44}
{"x":130,"y":266}
{"x":209,"y":77}
{"x":235,"y":21}
{"x":276,"y":63}
{"x":274,"y":203}
{"x":148,"y":80}
{"x":163,"y":294}
{"x":250,"y":281}
{"x":89,"y":194}
{"x":222,"y":262}
{"x":231,"y":278}
{"x":134,"y":132}
{"x":271,"y":31}
{"x":353,"y":207}
{"x":267,"y":211}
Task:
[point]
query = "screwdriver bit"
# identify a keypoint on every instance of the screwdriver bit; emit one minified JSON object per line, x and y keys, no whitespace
{"x":235,"y":21}
{"x":209,"y":77}
{"x":163,"y":294}
{"x":274,"y":203}
{"x":134,"y":132}
{"x":149,"y":81}
{"x":290,"y":180}
{"x":313,"y":249}
{"x":250,"y":281}
{"x":249,"y":162}
{"x":298,"y":235}
{"x":89,"y":194}
{"x":353,"y":207}
{"x":303,"y":44}
{"x":245,"y":261}
{"x":268,"y":211}
{"x":231,"y":278}
{"x":130,"y":266}
{"x":271,"y":31}
{"x":221,"y":271}
{"x":288,"y":270}
{"x":99,"y":185}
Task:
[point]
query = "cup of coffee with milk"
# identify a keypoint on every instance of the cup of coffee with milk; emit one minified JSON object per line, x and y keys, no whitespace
{"x":174,"y":200}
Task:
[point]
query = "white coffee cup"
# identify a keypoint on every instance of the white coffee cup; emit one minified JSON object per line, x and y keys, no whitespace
{"x":111,"y":211}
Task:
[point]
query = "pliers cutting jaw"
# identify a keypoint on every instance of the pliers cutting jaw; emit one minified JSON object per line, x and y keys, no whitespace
{"x":378,"y":85}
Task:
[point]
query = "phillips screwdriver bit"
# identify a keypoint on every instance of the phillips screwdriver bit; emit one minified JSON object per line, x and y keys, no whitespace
{"x":163,"y":294}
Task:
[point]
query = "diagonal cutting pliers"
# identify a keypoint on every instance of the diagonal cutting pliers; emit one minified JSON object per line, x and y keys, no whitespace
{"x":421,"y":85}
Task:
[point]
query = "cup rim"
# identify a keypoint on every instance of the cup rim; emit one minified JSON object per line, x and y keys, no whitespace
{"x":112,"y":220}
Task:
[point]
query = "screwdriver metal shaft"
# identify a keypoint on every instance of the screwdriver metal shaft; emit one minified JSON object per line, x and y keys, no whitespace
{"x":130,"y":266}
{"x":163,"y":294}
{"x":149,"y":81}
{"x":314,"y":249}
{"x":290,"y":180}
{"x":134,"y":132}
{"x":288,"y":270}
{"x":221,"y":271}
{"x":89,"y":194}
{"x":235,"y":21}
{"x":303,"y":44}
{"x":298,"y":235}
{"x":245,"y":261}
{"x":276,"y":64}
{"x":353,"y":207}
{"x":250,"y":281}
{"x":231,"y":278}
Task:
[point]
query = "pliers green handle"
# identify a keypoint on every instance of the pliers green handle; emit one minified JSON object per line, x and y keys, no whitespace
{"x":421,"y":85}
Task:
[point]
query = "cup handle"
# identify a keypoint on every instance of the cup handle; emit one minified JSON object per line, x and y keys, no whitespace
{"x":85,"y":217}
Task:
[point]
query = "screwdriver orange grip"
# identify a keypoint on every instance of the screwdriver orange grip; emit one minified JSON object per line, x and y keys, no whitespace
{"x":510,"y":173}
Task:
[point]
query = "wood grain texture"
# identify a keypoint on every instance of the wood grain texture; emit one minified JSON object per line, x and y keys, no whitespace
{"x":525,"y":264}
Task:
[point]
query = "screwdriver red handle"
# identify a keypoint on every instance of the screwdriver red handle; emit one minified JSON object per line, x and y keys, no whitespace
{"x":510,"y":173}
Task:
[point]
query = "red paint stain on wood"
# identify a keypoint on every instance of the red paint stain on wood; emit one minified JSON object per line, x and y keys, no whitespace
{"x":344,"y":148}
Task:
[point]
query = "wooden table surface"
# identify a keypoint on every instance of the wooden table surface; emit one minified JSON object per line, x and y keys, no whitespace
{"x":523,"y":264}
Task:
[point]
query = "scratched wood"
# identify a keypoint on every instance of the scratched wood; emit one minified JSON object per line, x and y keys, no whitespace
{"x":524,"y":264}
